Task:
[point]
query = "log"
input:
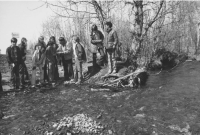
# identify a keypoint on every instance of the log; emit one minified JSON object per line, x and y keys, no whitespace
{"x":134,"y":73}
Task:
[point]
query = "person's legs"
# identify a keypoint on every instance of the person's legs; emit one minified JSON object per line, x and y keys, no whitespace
{"x":21,"y":74}
{"x":109,"y":53}
{"x":102,"y":56}
{"x":33,"y":79}
{"x":17,"y":81}
{"x":114,"y":62}
{"x":65,"y":66}
{"x":41,"y":74}
{"x":46,"y":72}
{"x":51,"y":71}
{"x":70,"y":69}
{"x":26,"y":72}
{"x":12,"y":76}
{"x":80,"y":77}
{"x":76,"y":71}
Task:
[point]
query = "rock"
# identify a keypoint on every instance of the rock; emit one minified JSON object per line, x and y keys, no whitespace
{"x":110,"y":132}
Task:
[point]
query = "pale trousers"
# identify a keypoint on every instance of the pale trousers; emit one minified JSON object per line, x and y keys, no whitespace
{"x":33,"y":79}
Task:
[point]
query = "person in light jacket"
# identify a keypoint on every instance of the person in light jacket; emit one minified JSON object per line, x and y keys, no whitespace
{"x":80,"y":57}
{"x":111,"y":41}
{"x":38,"y":60}
{"x":65,"y":51}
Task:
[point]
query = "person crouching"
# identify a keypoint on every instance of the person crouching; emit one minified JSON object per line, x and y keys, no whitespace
{"x":38,"y":60}
{"x":80,"y":57}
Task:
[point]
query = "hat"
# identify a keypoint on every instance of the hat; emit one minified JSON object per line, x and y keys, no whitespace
{"x":61,"y":39}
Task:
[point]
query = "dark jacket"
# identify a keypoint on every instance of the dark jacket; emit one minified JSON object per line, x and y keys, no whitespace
{"x":13,"y":55}
{"x":111,"y":39}
{"x":80,"y":52}
{"x":50,"y":53}
{"x":22,"y":48}
{"x":97,"y":38}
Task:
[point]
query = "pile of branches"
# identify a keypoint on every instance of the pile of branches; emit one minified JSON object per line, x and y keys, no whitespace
{"x":132,"y":79}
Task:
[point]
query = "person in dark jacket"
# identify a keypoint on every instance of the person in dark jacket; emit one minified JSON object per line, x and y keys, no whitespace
{"x":97,"y":42}
{"x":14,"y":59}
{"x":55,"y":46}
{"x":111,"y":42}
{"x":50,"y":54}
{"x":23,"y":69}
{"x":80,"y":57}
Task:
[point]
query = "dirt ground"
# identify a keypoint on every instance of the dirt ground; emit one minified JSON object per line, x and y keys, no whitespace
{"x":169,"y":104}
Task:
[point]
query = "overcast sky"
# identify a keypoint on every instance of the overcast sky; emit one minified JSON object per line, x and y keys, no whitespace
{"x":19,"y":17}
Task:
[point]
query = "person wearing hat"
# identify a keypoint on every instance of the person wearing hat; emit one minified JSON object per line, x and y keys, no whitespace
{"x":38,"y":60}
{"x":14,"y":59}
{"x":65,"y":50}
{"x":111,"y":42}
{"x":97,"y":42}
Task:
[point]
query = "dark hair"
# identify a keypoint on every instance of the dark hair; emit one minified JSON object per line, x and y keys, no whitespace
{"x":61,"y":39}
{"x":94,"y":27}
{"x":76,"y":38}
{"x":108,"y":23}
{"x":50,"y":43}
{"x":52,"y":37}
{"x":14,"y":40}
{"x":23,"y":39}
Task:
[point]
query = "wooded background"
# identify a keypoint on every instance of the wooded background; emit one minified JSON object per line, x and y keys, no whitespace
{"x":142,"y":26}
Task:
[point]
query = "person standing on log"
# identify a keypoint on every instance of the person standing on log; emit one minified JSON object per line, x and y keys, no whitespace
{"x":97,"y":42}
{"x":65,"y":50}
{"x":14,"y":59}
{"x":111,"y":42}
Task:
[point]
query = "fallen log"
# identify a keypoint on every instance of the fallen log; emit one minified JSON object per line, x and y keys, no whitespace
{"x":133,"y":73}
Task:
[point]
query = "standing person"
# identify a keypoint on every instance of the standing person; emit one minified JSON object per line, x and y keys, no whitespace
{"x":43,"y":44}
{"x":65,"y":50}
{"x":23,"y":67}
{"x":38,"y":60}
{"x":111,"y":42}
{"x":55,"y":46}
{"x":97,"y":42}
{"x":14,"y":59}
{"x":80,"y":57}
{"x":50,"y":54}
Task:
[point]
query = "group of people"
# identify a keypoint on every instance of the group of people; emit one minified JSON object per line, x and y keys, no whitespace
{"x":46,"y":57}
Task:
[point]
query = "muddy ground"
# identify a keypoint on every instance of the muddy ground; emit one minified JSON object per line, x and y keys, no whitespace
{"x":169,"y":104}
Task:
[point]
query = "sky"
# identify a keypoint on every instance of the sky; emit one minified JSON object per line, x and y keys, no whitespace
{"x":20,"y":17}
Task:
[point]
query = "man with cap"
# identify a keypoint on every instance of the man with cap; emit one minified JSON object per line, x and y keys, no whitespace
{"x":111,"y":42}
{"x":14,"y":59}
{"x":65,"y":50}
{"x":97,"y":42}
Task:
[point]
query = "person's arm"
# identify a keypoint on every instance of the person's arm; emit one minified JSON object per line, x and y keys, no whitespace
{"x":68,"y":48}
{"x":98,"y":39}
{"x":115,"y":38}
{"x":8,"y":56}
{"x":33,"y":60}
